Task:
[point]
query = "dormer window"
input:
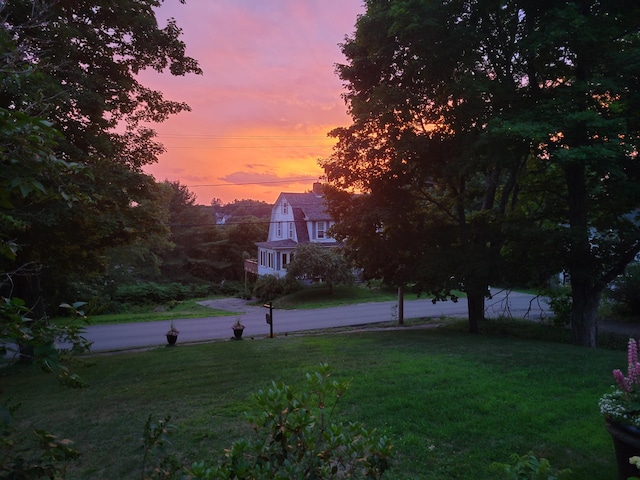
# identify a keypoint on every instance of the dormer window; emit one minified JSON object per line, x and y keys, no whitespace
{"x":285,"y":207}
{"x":321,"y":227}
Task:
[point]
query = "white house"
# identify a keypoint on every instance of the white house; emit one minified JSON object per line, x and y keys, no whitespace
{"x":295,"y":218}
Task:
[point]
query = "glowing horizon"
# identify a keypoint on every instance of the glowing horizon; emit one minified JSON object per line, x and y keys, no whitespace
{"x":266,"y":101}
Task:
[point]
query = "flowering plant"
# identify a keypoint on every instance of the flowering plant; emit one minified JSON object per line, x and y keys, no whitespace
{"x":238,"y":325}
{"x":172,"y":329}
{"x":623,"y":404}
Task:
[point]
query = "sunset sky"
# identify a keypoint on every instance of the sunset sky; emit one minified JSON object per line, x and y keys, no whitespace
{"x":268,"y":96}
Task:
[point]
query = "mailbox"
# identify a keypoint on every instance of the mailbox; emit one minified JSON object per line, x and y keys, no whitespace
{"x":269,"y":317}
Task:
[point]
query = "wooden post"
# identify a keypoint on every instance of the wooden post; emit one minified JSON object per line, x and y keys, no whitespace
{"x":400,"y":305}
{"x":269,"y":317}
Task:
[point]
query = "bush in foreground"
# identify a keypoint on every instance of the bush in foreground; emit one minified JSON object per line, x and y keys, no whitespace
{"x":529,"y":467}
{"x":297,"y":437}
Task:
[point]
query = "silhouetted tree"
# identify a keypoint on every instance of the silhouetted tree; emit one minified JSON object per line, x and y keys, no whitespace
{"x":474,"y":122}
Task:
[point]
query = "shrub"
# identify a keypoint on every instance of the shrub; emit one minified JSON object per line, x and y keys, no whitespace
{"x":231,"y":288}
{"x":560,"y":303}
{"x":270,"y":287}
{"x":296,"y":437}
{"x":313,"y":261}
{"x":155,"y":458}
{"x":27,"y":452}
{"x":151,"y":293}
{"x":529,"y":467}
{"x":624,"y":292}
{"x":35,"y":456}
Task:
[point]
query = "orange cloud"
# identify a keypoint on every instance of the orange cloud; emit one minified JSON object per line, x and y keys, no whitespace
{"x":268,"y":96}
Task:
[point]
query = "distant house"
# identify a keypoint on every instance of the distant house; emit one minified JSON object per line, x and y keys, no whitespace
{"x":295,"y":218}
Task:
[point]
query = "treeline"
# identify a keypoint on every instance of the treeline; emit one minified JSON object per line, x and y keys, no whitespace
{"x":202,"y":253}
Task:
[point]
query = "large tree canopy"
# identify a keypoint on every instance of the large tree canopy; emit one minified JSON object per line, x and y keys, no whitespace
{"x":72,"y":67}
{"x":85,"y":57}
{"x":204,"y":250}
{"x":318,"y":262}
{"x":483,"y":126}
{"x":417,"y":92}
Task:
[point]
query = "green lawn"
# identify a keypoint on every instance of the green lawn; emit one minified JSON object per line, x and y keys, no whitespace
{"x":309,"y":297}
{"x":146,"y":313}
{"x":452,"y":402}
{"x":318,"y":296}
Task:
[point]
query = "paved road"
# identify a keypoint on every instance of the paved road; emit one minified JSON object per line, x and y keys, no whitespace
{"x":148,"y":334}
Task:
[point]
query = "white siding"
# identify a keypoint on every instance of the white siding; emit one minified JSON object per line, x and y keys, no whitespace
{"x":281,"y":227}
{"x":281,"y":213}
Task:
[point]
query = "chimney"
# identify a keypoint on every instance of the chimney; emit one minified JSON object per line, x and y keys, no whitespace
{"x":317,"y":188}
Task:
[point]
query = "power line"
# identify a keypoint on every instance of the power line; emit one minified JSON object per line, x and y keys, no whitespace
{"x":255,"y":183}
{"x":244,"y":137}
{"x":236,"y":137}
{"x":260,"y":222}
{"x":250,"y":146}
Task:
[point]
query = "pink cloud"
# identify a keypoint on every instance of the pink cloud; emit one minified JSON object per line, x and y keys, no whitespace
{"x":266,"y":100}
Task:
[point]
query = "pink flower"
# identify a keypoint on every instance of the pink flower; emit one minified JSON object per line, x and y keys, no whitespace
{"x":634,"y":366}
{"x":623,"y":382}
{"x":628,"y":383}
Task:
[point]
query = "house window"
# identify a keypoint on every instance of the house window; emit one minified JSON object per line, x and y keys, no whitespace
{"x":271,"y":260}
{"x":290,"y":229}
{"x":284,"y":260}
{"x":285,"y":207}
{"x":279,"y":229}
{"x":321,"y":227}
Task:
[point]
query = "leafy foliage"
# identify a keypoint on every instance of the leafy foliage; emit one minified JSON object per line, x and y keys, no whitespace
{"x":560,"y":303}
{"x":33,"y":340}
{"x":298,"y":437}
{"x":236,"y":210}
{"x":270,"y":287}
{"x":437,"y":193}
{"x":490,"y":133}
{"x":79,"y":190}
{"x":529,"y":467}
{"x":71,"y":182}
{"x":624,"y":292}
{"x":27,"y":339}
{"x":42,"y":456}
{"x":316,"y":262}
{"x":150,"y":293}
{"x":204,"y":250}
{"x":155,"y":457}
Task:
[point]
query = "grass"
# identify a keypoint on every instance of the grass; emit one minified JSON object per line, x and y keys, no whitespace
{"x":145,"y":313}
{"x":318,"y":296}
{"x":310,"y":297}
{"x":452,"y":402}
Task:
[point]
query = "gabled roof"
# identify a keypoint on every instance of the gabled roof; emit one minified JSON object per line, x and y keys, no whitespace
{"x":312,"y":206}
{"x":301,"y":226}
{"x":276,"y":244}
{"x":305,"y":207}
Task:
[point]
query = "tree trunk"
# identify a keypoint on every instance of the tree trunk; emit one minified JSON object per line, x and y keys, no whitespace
{"x":400,"y":305}
{"x":475,"y":305}
{"x":582,"y":263}
{"x":584,"y":308}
